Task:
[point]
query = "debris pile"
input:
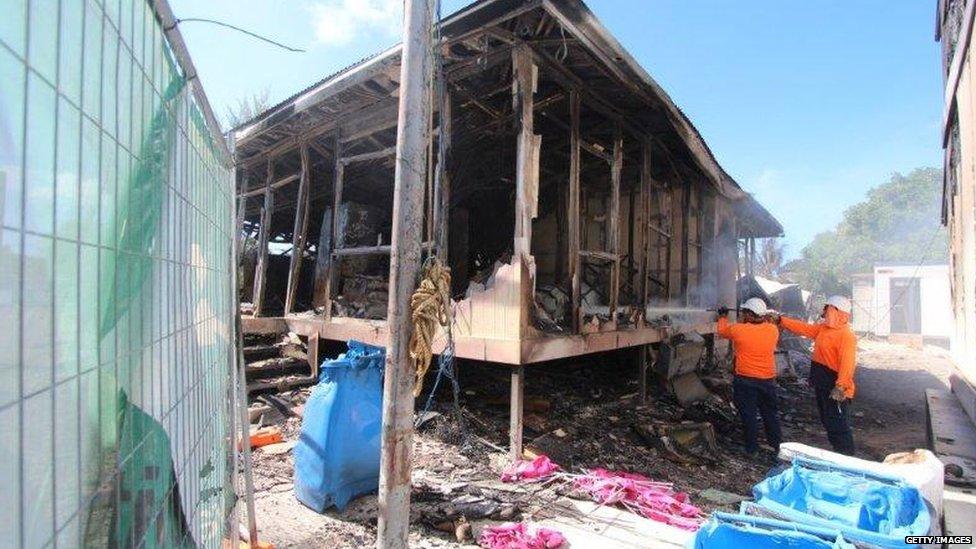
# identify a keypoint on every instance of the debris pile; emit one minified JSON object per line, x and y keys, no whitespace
{"x":276,"y":364}
{"x":363,"y":296}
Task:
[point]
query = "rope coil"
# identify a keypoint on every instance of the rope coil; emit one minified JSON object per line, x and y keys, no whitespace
{"x":428,"y":309}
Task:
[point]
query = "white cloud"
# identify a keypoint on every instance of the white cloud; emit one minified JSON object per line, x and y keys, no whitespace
{"x":768,"y":180}
{"x":338,"y":22}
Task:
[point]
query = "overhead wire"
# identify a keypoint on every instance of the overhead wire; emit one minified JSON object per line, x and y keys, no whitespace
{"x":238,"y":29}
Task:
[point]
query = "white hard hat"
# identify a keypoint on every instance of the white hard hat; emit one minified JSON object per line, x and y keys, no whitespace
{"x":840,"y":303}
{"x":755,"y":305}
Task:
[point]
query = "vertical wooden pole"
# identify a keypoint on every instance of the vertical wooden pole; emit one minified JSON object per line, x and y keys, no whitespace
{"x":613,"y":247}
{"x":405,"y":253}
{"x":667,"y":220}
{"x":525,"y":170}
{"x":313,"y":354}
{"x":332,"y":279}
{"x":264,"y":233}
{"x":515,"y":412}
{"x":645,"y":234}
{"x":526,"y":202}
{"x":239,"y":242}
{"x":442,"y":179}
{"x":685,"y":206}
{"x":573,"y":242}
{"x":323,"y":258}
{"x":299,"y":231}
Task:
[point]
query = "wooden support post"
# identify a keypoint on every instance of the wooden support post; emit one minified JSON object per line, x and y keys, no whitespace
{"x":239,"y":240}
{"x":641,"y":374}
{"x":685,"y":206}
{"x":332,"y":277}
{"x":613,"y":240}
{"x":644,"y":233}
{"x":299,"y":232}
{"x":313,"y":354}
{"x":442,"y":179}
{"x":516,"y":404}
{"x":667,"y":220}
{"x":524,"y":75}
{"x":408,"y":217}
{"x":574,"y":206}
{"x":264,"y":233}
{"x":526,"y":163}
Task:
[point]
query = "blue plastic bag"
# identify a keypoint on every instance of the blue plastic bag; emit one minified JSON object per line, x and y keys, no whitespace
{"x":337,"y":457}
{"x":864,"y":506}
{"x":727,"y":531}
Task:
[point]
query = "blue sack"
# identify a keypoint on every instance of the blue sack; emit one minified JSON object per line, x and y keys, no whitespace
{"x":864,"y":506}
{"x":337,"y":457}
{"x":727,"y":531}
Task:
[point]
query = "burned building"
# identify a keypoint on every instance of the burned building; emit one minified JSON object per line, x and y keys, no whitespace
{"x":573,"y":200}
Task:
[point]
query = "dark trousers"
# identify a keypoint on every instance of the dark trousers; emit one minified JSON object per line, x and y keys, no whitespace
{"x":834,"y":415}
{"x":757,"y":397}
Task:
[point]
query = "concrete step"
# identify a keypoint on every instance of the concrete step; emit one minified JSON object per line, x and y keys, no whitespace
{"x":959,"y":511}
{"x":951,"y":436}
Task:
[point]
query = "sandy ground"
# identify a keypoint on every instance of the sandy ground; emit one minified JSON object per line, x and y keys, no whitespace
{"x":596,"y":408}
{"x":890,"y":402}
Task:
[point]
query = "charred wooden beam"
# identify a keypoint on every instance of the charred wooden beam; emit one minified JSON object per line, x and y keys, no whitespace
{"x":613,"y":244}
{"x":442,"y":178}
{"x":362,"y":250}
{"x":574,"y":206}
{"x":644,"y":224}
{"x":366,"y":157}
{"x":277,"y":184}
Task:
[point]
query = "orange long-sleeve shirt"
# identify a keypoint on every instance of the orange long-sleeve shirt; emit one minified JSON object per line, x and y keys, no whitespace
{"x":835,"y":348}
{"x":754,"y":347}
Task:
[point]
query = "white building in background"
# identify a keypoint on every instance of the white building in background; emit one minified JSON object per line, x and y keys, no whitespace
{"x":904,"y":300}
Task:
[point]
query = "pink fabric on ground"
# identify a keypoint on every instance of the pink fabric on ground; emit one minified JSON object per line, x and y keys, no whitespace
{"x":516,"y":536}
{"x":537,"y":468}
{"x":654,"y":500}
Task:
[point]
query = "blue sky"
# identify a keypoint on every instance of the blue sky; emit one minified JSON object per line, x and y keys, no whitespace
{"x":807,"y":104}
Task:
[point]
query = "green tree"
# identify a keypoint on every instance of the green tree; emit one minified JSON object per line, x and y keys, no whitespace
{"x":898,"y":222}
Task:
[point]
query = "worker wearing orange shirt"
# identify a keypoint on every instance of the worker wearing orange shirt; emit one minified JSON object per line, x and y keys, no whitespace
{"x":754,"y":383}
{"x":832,"y":368}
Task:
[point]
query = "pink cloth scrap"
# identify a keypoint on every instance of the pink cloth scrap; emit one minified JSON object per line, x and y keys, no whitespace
{"x":654,"y":500}
{"x":517,"y":536}
{"x":537,"y":468}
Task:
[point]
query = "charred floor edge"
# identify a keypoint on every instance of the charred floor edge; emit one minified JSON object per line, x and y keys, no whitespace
{"x":578,"y":208}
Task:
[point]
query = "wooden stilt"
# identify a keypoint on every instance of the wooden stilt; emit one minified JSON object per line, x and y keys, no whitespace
{"x":516,"y":405}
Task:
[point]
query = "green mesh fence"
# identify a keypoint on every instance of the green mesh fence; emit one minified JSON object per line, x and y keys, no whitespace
{"x":115,"y":312}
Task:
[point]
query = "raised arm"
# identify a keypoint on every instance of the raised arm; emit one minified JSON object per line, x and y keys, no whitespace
{"x":848,"y":360}
{"x":724,"y":328}
{"x":799,"y":327}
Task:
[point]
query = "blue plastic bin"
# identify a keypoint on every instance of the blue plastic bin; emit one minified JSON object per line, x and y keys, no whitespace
{"x":728,"y":531}
{"x":337,"y":457}
{"x":864,"y":506}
